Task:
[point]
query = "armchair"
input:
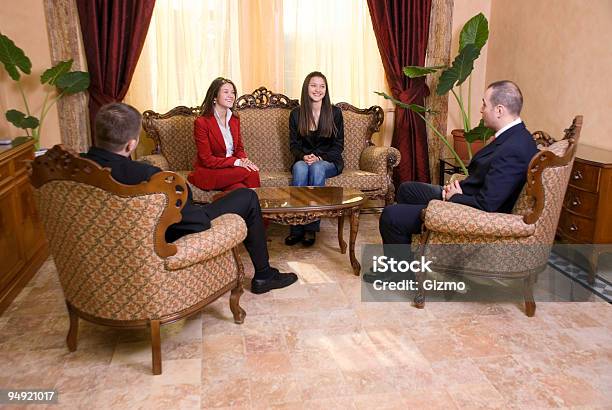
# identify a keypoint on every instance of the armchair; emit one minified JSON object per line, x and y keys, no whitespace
{"x":114,"y":265}
{"x":504,"y":246}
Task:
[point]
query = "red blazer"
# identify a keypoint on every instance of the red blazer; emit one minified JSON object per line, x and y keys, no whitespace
{"x":211,"y":146}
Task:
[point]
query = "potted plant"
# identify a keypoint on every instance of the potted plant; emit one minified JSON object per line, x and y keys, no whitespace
{"x":59,"y":81}
{"x":472,"y":38}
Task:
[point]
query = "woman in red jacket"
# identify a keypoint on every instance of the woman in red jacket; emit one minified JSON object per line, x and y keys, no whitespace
{"x":221,"y":162}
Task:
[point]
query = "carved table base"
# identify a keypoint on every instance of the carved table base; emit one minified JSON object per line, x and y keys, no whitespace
{"x":305,"y":217}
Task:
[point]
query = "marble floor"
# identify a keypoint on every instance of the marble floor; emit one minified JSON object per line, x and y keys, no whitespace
{"x":316,"y":345}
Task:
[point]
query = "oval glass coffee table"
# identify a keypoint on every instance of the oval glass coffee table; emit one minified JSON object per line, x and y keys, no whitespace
{"x":293,"y":205}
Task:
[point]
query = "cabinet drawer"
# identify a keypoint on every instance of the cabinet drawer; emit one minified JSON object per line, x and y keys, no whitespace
{"x":578,"y":228}
{"x":584,"y":176}
{"x":581,"y":202}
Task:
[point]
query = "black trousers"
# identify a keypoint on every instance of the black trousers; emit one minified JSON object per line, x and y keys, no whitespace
{"x":400,"y":221}
{"x":243,"y":202}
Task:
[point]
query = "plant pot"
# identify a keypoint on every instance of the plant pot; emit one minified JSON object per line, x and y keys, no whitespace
{"x":461,"y":145}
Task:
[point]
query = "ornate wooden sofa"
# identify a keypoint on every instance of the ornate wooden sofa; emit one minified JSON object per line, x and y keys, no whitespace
{"x":264,"y":119}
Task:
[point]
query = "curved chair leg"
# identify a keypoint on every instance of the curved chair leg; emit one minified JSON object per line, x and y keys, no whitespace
{"x":237,"y":311}
{"x":71,"y":339}
{"x":156,"y":346}
{"x":530,"y":305}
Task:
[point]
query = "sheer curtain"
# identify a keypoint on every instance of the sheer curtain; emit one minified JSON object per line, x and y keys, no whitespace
{"x":336,"y":38}
{"x":272,"y":43}
{"x":189,"y":43}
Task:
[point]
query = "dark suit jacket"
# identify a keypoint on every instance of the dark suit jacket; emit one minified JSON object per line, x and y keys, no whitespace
{"x":129,"y":172}
{"x":329,"y":149}
{"x":497,"y":173}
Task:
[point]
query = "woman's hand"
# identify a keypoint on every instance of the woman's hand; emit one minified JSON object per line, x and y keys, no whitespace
{"x":311,"y":159}
{"x":248,"y":164}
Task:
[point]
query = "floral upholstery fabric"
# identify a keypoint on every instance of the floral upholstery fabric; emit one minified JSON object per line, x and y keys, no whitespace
{"x":362,"y":180}
{"x":524,"y":203}
{"x":448,"y":217}
{"x":265,"y":134}
{"x":356,"y":137}
{"x":176,"y":141}
{"x":225,"y":232}
{"x":103,"y":247}
{"x":378,"y":159}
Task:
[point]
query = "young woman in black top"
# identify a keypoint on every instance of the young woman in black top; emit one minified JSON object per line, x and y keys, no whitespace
{"x":317,"y":140}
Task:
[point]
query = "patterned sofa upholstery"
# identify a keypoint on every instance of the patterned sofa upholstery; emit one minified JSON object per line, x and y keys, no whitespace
{"x":264,"y":121}
{"x":114,"y":265}
{"x":465,"y":240}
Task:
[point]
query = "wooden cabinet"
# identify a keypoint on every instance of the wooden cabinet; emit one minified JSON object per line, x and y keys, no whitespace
{"x":23,"y":247}
{"x":586,"y":216}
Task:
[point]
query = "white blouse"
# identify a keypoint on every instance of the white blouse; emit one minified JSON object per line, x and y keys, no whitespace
{"x":227,"y":135}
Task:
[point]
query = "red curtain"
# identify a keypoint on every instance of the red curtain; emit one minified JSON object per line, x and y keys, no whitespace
{"x":402,"y":29}
{"x":114,"y":32}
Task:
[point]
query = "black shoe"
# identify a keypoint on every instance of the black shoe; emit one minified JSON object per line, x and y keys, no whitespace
{"x":277,"y":281}
{"x":293,"y":239}
{"x":309,"y":238}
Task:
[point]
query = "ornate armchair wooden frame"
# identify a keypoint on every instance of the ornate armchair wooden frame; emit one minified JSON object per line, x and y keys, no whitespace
{"x":62,"y":166}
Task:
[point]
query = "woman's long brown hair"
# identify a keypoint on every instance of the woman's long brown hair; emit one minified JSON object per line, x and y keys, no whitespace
{"x":327,"y":127}
{"x":207,"y":105}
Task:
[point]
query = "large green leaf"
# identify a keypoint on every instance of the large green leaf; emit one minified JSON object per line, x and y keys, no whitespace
{"x":460,"y":70}
{"x":479,"y":132}
{"x":52,"y":74}
{"x":73,"y":82}
{"x":13,"y":58}
{"x":20,"y":120}
{"x":475,"y":31}
{"x":414,"y":71}
{"x":412,"y":107}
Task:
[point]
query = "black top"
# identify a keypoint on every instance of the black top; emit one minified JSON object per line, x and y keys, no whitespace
{"x":129,"y":172}
{"x":497,"y":173}
{"x":328,"y":148}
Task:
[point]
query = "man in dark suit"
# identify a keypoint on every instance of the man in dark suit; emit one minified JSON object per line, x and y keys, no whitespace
{"x":117,"y":133}
{"x":497,"y":172}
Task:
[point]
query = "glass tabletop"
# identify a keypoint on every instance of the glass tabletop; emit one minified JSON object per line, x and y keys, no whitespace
{"x":308,"y":198}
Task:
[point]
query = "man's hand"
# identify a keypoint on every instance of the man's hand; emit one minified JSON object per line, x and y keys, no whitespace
{"x":310,"y":159}
{"x":248,"y":164}
{"x":450,"y":190}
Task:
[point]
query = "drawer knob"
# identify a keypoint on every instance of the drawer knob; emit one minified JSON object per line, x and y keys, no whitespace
{"x":573,"y":227}
{"x":577,"y":175}
{"x":576,"y":201}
